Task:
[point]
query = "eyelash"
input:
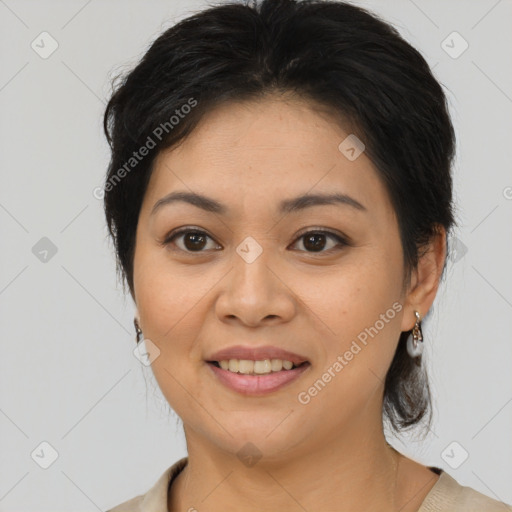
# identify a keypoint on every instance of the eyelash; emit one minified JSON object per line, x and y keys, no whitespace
{"x":342,"y":241}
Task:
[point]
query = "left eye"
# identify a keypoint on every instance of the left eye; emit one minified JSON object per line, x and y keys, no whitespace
{"x":315,"y":240}
{"x":195,"y":240}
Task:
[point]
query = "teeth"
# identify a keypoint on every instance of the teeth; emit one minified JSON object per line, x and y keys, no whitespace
{"x":248,"y":367}
{"x":262,"y":366}
{"x":245,"y":366}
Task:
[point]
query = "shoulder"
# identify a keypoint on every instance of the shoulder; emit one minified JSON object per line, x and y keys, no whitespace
{"x":155,"y":499}
{"x":132,"y":505}
{"x":448,"y":495}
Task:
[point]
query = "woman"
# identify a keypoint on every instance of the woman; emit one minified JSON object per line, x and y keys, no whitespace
{"x":280,"y":199}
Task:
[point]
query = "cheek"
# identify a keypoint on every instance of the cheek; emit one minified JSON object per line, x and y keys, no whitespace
{"x":352,"y":294}
{"x":171,"y":311}
{"x":359,"y":308}
{"x":167,"y":294}
{"x":360,"y":325}
{"x":162,"y":299}
{"x":169,"y":308}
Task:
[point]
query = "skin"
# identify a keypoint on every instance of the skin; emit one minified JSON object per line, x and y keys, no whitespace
{"x":329,"y":454}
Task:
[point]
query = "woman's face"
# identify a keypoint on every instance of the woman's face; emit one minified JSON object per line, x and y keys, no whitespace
{"x":261,"y":275}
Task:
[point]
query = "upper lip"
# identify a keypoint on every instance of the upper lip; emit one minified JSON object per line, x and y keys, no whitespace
{"x":256,"y":354}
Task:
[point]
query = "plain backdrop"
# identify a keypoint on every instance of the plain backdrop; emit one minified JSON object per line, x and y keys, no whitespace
{"x":72,"y":395}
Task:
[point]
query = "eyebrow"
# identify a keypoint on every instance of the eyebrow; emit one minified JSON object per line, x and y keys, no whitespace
{"x":286,"y":206}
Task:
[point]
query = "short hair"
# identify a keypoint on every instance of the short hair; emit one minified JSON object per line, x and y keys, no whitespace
{"x":339,"y":56}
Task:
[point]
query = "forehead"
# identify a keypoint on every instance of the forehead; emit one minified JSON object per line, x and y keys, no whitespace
{"x":265,"y":150}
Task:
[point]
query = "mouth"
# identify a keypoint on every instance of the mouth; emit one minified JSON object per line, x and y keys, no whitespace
{"x":263,"y":367}
{"x":256,"y":378}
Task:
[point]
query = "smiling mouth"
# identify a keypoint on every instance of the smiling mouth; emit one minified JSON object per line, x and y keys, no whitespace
{"x":257,"y":378}
{"x":256,"y":368}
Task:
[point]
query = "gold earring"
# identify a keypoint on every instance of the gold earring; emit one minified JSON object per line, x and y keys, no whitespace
{"x":415,"y":339}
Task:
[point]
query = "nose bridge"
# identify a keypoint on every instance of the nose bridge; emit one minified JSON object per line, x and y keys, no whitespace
{"x":254,"y":291}
{"x":252,"y":270}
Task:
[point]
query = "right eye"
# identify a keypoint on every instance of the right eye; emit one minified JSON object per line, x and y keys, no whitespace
{"x":193,"y":240}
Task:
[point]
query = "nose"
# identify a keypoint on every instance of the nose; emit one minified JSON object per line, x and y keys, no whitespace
{"x":256,"y":293}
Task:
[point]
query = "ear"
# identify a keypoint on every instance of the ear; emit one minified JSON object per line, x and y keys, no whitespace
{"x":425,"y":279}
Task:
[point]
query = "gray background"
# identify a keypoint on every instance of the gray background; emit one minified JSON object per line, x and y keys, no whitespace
{"x":68,"y":374}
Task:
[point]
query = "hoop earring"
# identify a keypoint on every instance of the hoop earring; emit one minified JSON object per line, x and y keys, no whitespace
{"x":415,"y":339}
{"x":138,"y":331}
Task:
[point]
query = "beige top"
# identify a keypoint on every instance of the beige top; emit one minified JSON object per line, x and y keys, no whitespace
{"x":446,"y":496}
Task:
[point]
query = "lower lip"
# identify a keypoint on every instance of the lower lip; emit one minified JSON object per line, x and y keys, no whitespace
{"x":257,"y":385}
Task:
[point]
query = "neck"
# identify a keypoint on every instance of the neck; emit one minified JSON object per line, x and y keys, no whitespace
{"x":356,"y":470}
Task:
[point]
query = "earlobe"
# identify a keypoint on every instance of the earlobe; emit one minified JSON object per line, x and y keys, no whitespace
{"x":427,"y":277}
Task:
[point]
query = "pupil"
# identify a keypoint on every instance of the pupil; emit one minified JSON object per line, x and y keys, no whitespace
{"x":315,"y":246}
{"x":194,"y":237}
